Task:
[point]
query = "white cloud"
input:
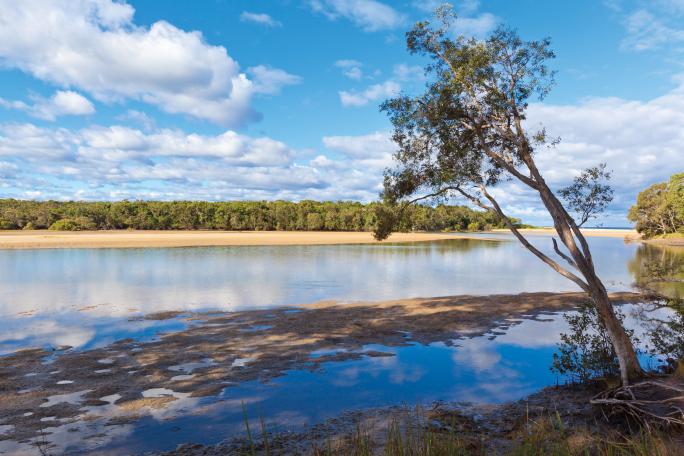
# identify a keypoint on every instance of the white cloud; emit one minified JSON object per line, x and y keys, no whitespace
{"x":118,"y":162}
{"x":405,"y":72}
{"x":260,"y":19}
{"x":350,"y":68}
{"x":95,"y":46}
{"x":139,"y":118}
{"x":370,"y":15}
{"x":375,"y":92}
{"x":477,"y":26}
{"x":467,"y":22}
{"x":372,"y":145}
{"x":62,"y":103}
{"x":645,"y":32}
{"x":269,"y":80}
{"x":641,"y":141}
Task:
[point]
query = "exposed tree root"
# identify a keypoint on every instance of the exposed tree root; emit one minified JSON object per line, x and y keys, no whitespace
{"x":654,"y":402}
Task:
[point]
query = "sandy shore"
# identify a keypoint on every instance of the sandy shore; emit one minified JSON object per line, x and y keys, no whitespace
{"x":43,"y":239}
{"x":588,"y":232}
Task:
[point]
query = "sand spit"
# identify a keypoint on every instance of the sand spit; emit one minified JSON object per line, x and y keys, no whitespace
{"x":627,"y":234}
{"x":43,"y":239}
{"x":223,"y":349}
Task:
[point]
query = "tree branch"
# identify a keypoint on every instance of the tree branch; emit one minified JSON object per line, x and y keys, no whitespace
{"x":570,"y":261}
{"x":553,"y":264}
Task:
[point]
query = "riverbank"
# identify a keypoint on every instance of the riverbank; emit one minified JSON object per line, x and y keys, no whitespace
{"x":126,"y":381}
{"x":627,"y":234}
{"x":44,"y":239}
{"x":673,"y":239}
{"x":556,"y":420}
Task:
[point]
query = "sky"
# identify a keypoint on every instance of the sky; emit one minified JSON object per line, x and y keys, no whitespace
{"x":279,"y":99}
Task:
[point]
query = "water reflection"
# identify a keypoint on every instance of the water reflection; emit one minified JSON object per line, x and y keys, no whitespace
{"x":72,"y":296}
{"x":660,"y":268}
{"x":504,"y":365}
{"x":490,"y":369}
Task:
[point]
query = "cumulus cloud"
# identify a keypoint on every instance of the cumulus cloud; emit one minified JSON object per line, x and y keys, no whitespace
{"x":95,"y":46}
{"x":138,"y":118}
{"x":116,"y":162}
{"x":375,"y":92}
{"x":404,"y":72}
{"x":370,"y":15}
{"x":350,"y":68}
{"x":62,"y":103}
{"x":260,"y":19}
{"x":379,"y":92}
{"x":270,"y":80}
{"x":373,"y":145}
{"x":641,"y":141}
{"x":477,"y":26}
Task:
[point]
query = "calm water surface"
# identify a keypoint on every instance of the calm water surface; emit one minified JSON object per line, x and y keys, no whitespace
{"x":84,"y":297}
{"x":493,"y":368}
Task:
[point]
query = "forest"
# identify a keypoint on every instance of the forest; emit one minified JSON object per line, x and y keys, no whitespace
{"x":659,"y":209}
{"x":233,"y":215}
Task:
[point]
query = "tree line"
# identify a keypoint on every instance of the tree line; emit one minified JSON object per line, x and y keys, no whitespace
{"x":233,"y":215}
{"x":659,"y":209}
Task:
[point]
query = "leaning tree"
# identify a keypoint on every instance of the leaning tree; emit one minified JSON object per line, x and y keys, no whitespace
{"x":467,"y":133}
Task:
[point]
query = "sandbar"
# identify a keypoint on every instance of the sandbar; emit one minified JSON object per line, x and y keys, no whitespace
{"x":44,"y":239}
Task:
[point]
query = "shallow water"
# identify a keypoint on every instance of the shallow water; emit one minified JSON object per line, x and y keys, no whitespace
{"x":87,"y":298}
{"x":504,"y":365}
{"x":84,"y":297}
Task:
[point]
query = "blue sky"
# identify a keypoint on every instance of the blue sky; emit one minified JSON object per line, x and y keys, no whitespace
{"x":229,"y":99}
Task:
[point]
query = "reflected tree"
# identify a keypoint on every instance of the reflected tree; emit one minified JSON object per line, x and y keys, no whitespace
{"x":659,"y":269}
{"x":586,"y":351}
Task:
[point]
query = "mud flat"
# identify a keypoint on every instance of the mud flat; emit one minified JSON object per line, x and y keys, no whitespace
{"x":127,"y":380}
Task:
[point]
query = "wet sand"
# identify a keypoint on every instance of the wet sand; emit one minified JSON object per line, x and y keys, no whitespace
{"x":44,"y":239}
{"x":229,"y":348}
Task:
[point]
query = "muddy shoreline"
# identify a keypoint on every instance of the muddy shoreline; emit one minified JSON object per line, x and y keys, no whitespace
{"x":554,"y":420}
{"x":223,"y":349}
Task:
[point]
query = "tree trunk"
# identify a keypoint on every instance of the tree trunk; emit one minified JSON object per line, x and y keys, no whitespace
{"x":630,"y":369}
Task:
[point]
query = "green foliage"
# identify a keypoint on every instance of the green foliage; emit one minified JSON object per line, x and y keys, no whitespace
{"x":589,"y":194}
{"x":587,"y":351}
{"x":68,"y":224}
{"x":659,"y":209}
{"x":233,"y":215}
{"x":464,"y":133}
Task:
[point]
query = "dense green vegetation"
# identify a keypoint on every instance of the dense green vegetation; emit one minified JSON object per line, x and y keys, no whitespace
{"x":233,"y":215}
{"x":659,"y":209}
